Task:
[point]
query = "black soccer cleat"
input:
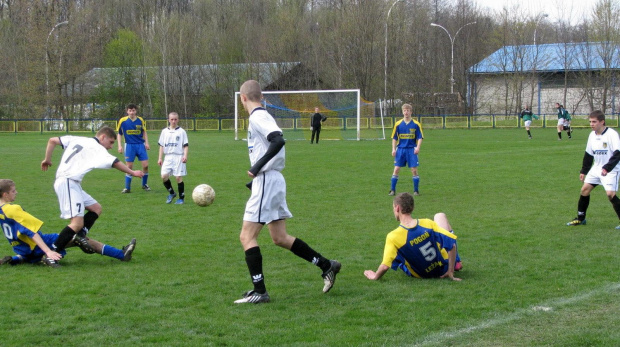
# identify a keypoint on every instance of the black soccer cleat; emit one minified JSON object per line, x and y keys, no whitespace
{"x":50,"y":262}
{"x":329,"y":276}
{"x":6,"y":260}
{"x":252,"y":297}
{"x":128,"y":250}
{"x":82,"y":242}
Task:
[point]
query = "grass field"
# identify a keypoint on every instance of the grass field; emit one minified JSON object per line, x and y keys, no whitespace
{"x":527,"y":278}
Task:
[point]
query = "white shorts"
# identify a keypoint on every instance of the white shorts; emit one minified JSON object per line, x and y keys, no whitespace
{"x":527,"y":123}
{"x":173,"y":165}
{"x":71,"y":198}
{"x":268,"y":200}
{"x":609,"y":182}
{"x":561,"y":122}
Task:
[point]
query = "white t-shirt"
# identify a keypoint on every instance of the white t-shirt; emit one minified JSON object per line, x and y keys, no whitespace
{"x":81,"y":155}
{"x":603,"y":146}
{"x":173,"y":140}
{"x":261,"y":125}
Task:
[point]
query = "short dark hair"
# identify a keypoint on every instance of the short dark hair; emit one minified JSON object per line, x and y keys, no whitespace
{"x":107,"y":131}
{"x":405,"y":201}
{"x":598,"y":114}
{"x":132,"y":107}
{"x":6,"y":185}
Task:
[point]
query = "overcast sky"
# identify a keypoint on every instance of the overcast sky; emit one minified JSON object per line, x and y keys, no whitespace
{"x":573,"y":10}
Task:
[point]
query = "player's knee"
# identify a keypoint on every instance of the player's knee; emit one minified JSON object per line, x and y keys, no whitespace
{"x":96,"y":208}
{"x":280,"y":240}
{"x":611,"y":195}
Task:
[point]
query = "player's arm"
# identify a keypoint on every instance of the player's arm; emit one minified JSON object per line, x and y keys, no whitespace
{"x":120,"y":166}
{"x":48,"y":252}
{"x":394,"y":144}
{"x":276,"y":142}
{"x":451,"y":262}
{"x":161,"y":155}
{"x":51,"y":144}
{"x":375,"y":275}
{"x":417,"y":146}
{"x":146,"y":138}
{"x":119,"y":140}
{"x":588,"y":159}
{"x":613,"y":161}
{"x":185,"y":152}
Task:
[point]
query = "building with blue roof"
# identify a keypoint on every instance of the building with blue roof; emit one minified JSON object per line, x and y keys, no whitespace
{"x":582,"y":76}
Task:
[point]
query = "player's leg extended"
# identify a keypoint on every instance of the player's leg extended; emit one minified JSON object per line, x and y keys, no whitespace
{"x":109,"y":251}
{"x":253,"y":256}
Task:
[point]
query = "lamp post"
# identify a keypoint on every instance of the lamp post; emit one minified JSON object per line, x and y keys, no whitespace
{"x":544,"y":15}
{"x":385,"y":65}
{"x":452,"y":43}
{"x":47,"y":62}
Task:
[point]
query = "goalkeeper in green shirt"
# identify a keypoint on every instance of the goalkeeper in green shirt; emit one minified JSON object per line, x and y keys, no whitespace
{"x":527,"y":116}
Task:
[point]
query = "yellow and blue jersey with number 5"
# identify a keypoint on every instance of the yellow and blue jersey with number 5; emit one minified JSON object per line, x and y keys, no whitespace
{"x":407,"y":133}
{"x":421,"y":251}
{"x":19,"y":227}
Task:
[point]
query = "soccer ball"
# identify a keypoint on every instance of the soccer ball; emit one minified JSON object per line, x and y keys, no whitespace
{"x":203,"y":195}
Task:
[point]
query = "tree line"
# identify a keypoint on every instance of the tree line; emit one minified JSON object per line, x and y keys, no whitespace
{"x":47,"y":47}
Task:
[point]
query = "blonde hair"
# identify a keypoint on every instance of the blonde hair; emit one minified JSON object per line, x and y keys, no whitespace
{"x":407,"y":107}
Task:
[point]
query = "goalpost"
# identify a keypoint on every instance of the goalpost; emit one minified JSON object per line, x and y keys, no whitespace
{"x":349,"y":117}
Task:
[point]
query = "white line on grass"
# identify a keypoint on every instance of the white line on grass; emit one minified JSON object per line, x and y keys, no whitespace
{"x":545,"y":307}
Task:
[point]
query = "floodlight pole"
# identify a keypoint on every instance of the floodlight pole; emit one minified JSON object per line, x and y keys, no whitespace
{"x":385,"y":62}
{"x":543,"y":15}
{"x":452,"y":50}
{"x":47,"y":62}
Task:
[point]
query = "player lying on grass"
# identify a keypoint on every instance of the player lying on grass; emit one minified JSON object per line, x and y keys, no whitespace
{"x":422,"y":248}
{"x":22,"y":230}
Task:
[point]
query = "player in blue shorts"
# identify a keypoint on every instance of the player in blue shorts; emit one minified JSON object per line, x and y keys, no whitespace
{"x":422,"y":248}
{"x":22,"y":230}
{"x":133,"y":128}
{"x":406,"y":141}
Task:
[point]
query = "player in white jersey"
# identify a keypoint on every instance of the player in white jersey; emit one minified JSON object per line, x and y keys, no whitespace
{"x":81,"y":155}
{"x":173,"y":143}
{"x":600,"y":166}
{"x":267,"y":204}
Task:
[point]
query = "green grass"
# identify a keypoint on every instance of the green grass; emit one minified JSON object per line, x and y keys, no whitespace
{"x":507,"y":198}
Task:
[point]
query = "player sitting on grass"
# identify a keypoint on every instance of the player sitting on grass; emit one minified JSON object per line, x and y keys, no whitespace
{"x":422,"y":248}
{"x":30,"y":245}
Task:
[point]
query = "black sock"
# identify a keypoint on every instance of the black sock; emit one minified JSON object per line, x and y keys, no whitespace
{"x":568,"y":132}
{"x":528,"y":134}
{"x":254,"y":259}
{"x":65,"y":236}
{"x":582,"y":206}
{"x":560,"y":135}
{"x":615,"y":202}
{"x":181,"y":187}
{"x":168,"y":186}
{"x":89,"y":220}
{"x":302,"y":250}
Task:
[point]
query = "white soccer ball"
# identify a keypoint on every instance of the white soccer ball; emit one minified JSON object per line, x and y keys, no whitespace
{"x":203,"y":195}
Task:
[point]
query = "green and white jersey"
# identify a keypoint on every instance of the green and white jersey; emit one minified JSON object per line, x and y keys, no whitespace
{"x":527,"y":115}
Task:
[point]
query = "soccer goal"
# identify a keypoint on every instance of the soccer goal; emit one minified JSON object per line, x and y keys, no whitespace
{"x":349,"y":117}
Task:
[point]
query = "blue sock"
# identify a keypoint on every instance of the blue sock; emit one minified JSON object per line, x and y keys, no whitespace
{"x":127,"y":182}
{"x":110,"y":251}
{"x":416,"y":183}
{"x":394,"y":181}
{"x":145,"y":178}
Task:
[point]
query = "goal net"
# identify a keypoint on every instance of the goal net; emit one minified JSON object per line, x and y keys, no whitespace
{"x":349,"y":117}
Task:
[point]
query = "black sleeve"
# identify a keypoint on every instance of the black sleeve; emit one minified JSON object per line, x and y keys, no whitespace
{"x":613,"y":161}
{"x":587,"y":163}
{"x":276,"y":142}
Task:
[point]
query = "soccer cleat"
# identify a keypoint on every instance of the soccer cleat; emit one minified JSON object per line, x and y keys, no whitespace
{"x":50,"y":262}
{"x":179,"y":202}
{"x":329,"y":276}
{"x":125,"y":191}
{"x":416,"y":193}
{"x":391,"y":193}
{"x":146,"y":188}
{"x":618,"y":227}
{"x":170,"y":197}
{"x":530,"y":137}
{"x":82,"y":242}
{"x":6,"y":260}
{"x":576,"y":222}
{"x":128,"y":250}
{"x":458,"y":266}
{"x":253,"y":297}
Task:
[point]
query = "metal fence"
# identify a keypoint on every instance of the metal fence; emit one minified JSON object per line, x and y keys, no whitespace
{"x":452,"y":121}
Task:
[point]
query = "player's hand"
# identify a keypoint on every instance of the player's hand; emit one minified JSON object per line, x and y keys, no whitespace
{"x":137,"y":173}
{"x":604,"y":172}
{"x":53,"y":255}
{"x":250,"y":174}
{"x":416,"y":151}
{"x":146,"y":145}
{"x":450,"y":275}
{"x":393,"y":153}
{"x":45,"y":165}
{"x":184,"y":159}
{"x":120,"y":149}
{"x":582,"y":177}
{"x":159,"y":162}
{"x":371,"y":275}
